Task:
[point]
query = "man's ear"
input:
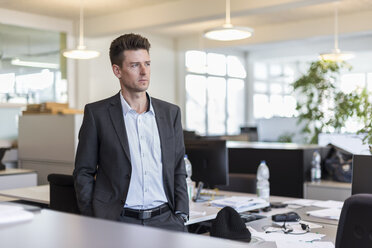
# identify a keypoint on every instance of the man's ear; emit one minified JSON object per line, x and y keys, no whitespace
{"x":116,"y":70}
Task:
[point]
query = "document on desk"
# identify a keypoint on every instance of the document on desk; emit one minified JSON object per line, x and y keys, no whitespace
{"x":281,"y":236}
{"x":239,"y":203}
{"x":301,"y":202}
{"x":293,"y":244}
{"x":328,"y":213}
{"x":11,"y":214}
{"x":328,"y":204}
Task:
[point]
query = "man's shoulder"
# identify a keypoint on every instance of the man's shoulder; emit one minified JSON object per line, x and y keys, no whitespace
{"x":163,"y":104}
{"x":104,"y":102}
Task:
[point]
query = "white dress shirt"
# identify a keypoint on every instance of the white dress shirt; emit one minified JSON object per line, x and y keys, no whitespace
{"x":146,"y":188}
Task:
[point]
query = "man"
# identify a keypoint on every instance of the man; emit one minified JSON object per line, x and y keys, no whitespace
{"x":130,"y":159}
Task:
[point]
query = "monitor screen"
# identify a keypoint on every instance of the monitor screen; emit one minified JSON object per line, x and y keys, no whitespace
{"x":362,"y":171}
{"x":209,"y":161}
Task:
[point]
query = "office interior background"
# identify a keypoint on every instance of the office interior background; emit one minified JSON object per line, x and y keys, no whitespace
{"x":220,"y":86}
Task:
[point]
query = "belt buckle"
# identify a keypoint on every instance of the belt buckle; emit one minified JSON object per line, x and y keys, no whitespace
{"x":146,"y":214}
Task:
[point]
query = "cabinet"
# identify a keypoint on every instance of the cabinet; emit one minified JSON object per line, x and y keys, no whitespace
{"x":47,"y":143}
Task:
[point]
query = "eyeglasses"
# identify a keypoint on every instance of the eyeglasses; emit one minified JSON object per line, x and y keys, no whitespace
{"x":287,"y":229}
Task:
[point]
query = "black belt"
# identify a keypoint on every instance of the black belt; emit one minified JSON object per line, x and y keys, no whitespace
{"x":146,"y":213}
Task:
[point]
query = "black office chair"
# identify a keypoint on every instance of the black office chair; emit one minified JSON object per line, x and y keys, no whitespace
{"x":62,"y":193}
{"x":355,"y":225}
{"x":241,"y":182}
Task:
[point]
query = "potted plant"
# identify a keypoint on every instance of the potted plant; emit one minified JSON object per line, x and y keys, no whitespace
{"x":323,"y":107}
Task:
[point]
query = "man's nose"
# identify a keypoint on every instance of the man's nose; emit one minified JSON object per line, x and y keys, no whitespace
{"x":143,"y":70}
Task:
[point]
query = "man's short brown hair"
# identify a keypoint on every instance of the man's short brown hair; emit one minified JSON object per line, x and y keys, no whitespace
{"x":126,"y":42}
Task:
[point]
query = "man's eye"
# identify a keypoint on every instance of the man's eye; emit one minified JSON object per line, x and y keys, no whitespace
{"x":148,"y":64}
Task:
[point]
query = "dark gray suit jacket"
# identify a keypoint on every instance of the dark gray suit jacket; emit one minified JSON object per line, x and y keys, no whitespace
{"x":103,"y":166}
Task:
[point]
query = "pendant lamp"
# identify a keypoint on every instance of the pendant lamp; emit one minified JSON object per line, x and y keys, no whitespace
{"x":336,"y":54}
{"x":81,"y":52}
{"x":228,"y":32}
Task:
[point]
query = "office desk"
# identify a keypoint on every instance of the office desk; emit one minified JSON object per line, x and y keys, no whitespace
{"x":37,"y":194}
{"x":40,"y":194}
{"x":60,"y":230}
{"x":11,"y":178}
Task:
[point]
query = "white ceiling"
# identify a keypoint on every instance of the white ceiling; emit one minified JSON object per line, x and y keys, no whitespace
{"x":183,"y":17}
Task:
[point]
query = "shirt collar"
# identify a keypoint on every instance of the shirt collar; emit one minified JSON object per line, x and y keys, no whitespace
{"x":127,"y":108}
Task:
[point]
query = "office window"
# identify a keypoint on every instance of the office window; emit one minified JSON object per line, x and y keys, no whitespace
{"x":31,"y":67}
{"x":272,"y":90}
{"x":215,"y":99}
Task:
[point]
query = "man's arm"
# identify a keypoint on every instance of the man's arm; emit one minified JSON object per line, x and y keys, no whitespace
{"x":86,"y":163}
{"x":180,"y":189}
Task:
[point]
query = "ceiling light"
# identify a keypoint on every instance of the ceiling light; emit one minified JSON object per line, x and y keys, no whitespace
{"x":80,"y":52}
{"x":336,"y":54}
{"x":34,"y":64}
{"x":228,"y":32}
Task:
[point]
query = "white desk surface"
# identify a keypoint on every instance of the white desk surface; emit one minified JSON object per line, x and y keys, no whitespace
{"x":39,"y":194}
{"x":15,"y":171}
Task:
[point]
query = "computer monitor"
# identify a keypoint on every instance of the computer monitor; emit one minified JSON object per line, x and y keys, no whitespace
{"x":209,"y":161}
{"x":362,"y":171}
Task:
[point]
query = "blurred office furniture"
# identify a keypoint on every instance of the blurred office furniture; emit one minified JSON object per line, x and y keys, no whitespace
{"x":251,"y":132}
{"x":349,"y":142}
{"x":12,"y":178}
{"x":47,"y":143}
{"x":62,"y":193}
{"x":289,"y":164}
{"x":362,"y":171}
{"x":271,"y":130}
{"x":355,"y":225}
{"x":209,"y":159}
{"x":327,"y":190}
{"x":240,"y":182}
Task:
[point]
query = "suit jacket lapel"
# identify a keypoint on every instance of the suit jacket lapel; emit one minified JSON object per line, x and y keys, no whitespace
{"x":117,"y":118}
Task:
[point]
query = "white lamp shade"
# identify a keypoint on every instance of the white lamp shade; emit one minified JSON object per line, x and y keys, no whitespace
{"x":228,"y":33}
{"x":80,"y":53}
{"x":337,"y":56}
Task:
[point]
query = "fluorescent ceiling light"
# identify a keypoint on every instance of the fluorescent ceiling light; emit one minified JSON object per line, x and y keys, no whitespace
{"x":336,"y":54}
{"x":80,"y":52}
{"x":34,"y":64}
{"x":228,"y":32}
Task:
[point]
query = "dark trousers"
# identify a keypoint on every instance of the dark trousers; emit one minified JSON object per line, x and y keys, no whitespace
{"x":167,"y":220}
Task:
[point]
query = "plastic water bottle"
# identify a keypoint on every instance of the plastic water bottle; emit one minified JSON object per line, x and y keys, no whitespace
{"x":263,"y":185}
{"x":316,"y":172}
{"x":189,"y":182}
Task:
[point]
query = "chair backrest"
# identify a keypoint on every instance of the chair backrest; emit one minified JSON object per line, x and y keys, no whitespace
{"x":241,"y":182}
{"x":355,"y":225}
{"x":62,"y":193}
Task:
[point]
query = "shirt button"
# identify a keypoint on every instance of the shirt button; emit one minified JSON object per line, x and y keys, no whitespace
{"x":146,"y":190}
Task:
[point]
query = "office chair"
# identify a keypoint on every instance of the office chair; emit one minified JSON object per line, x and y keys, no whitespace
{"x":62,"y":193}
{"x":355,"y":225}
{"x":241,"y":182}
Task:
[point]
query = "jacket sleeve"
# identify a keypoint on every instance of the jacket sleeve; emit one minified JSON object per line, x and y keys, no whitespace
{"x":86,"y":163}
{"x":180,"y":188}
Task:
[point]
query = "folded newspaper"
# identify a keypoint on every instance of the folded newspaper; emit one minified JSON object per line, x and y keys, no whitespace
{"x":238,"y":202}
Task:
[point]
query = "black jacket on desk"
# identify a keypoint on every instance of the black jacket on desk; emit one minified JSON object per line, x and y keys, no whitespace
{"x":103,"y":166}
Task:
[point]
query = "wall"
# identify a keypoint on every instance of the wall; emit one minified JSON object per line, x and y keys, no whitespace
{"x":95,"y":79}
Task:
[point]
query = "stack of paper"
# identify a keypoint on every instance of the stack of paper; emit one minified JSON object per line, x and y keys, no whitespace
{"x":328,"y":213}
{"x":300,"y":202}
{"x":294,"y":244}
{"x":237,"y":202}
{"x":328,"y":204}
{"x":12,"y":213}
{"x":281,"y":236}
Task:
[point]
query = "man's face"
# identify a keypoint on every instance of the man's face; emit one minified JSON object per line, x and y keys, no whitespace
{"x":134,"y":74}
